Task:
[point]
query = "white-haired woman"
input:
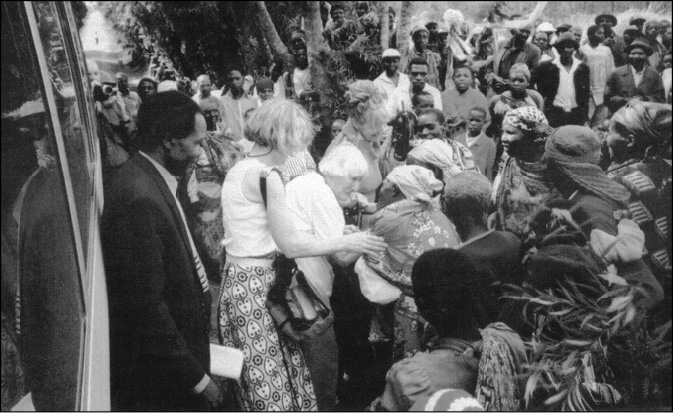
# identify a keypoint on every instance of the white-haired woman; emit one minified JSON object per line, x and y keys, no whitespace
{"x":367,"y":118}
{"x":275,"y":375}
{"x":315,"y":201}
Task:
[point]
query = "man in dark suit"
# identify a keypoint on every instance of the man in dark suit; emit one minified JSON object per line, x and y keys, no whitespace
{"x":565,"y":85}
{"x":159,"y":301}
{"x":635,"y":80}
{"x":517,"y":50}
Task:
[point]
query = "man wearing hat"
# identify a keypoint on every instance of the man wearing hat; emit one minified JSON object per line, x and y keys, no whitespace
{"x":635,"y":80}
{"x":601,"y":63}
{"x":639,"y":22}
{"x":612,"y":40}
{"x":565,"y":84}
{"x":517,"y":50}
{"x":562,"y":28}
{"x":420,"y":35}
{"x":391,"y":80}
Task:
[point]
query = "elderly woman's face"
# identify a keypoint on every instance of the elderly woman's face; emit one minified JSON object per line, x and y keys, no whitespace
{"x":512,"y":140}
{"x":652,"y":29}
{"x":387,"y":194}
{"x":343,"y":187}
{"x":617,"y":138}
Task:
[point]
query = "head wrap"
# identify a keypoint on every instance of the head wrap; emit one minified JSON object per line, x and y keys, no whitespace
{"x":524,"y":118}
{"x":415,"y":181}
{"x":438,"y":153}
{"x":448,"y":400}
{"x":167,"y":85}
{"x":646,"y":120}
{"x":576,"y":151}
{"x":264,"y":83}
{"x":520,"y":68}
{"x":418,"y":29}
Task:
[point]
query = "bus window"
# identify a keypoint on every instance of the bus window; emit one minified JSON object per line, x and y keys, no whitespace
{"x":42,"y":301}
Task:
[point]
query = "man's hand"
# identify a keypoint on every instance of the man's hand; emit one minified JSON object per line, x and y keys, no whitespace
{"x":351,"y":229}
{"x":213,"y":394}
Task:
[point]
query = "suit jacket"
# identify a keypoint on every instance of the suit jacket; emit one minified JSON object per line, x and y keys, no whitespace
{"x":530,"y":56}
{"x":620,"y":87}
{"x":547,"y":77}
{"x":483,"y":152}
{"x":159,"y":313}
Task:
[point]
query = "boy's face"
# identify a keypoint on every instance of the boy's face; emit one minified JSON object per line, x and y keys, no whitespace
{"x":462,"y":78}
{"x":475,"y":122}
{"x":424,"y":102}
{"x":266,"y":93}
{"x":336,"y":129}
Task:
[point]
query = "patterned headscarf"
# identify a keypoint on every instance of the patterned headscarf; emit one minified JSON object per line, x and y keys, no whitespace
{"x":575,"y":150}
{"x":520,"y":68}
{"x":415,"y":182}
{"x":439,"y":153}
{"x":525,"y":118}
{"x":646,"y":120}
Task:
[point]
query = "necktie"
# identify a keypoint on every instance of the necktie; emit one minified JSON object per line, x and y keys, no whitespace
{"x":197,"y":261}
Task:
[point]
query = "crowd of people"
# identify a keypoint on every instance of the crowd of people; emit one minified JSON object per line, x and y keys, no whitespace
{"x":374,"y":272}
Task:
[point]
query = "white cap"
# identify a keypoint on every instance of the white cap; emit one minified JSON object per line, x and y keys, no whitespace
{"x":391,"y":53}
{"x":545,"y":27}
{"x":167,"y":85}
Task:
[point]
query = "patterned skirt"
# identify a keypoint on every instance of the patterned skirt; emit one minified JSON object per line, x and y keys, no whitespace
{"x":275,"y":376}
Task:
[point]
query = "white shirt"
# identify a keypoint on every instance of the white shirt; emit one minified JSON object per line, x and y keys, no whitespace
{"x":565,"y":96}
{"x":387,"y":84}
{"x":315,"y":212}
{"x":637,"y":76}
{"x":402,"y":99}
{"x":301,"y":80}
{"x":601,"y":63}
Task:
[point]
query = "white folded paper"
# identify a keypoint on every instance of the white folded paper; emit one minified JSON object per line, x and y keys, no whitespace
{"x":226,"y":361}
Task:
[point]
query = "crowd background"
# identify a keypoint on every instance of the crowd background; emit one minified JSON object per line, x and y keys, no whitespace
{"x":323,"y":57}
{"x":317,"y":68}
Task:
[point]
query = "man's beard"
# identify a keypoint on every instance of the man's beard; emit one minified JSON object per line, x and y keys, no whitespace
{"x":176,"y":167}
{"x":639,"y":63}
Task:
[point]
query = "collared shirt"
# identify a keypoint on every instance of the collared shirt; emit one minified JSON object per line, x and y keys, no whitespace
{"x":301,"y":79}
{"x":387,"y":84}
{"x":172,"y":183}
{"x":565,"y":96}
{"x":601,"y":63}
{"x":637,"y":76}
{"x":401,"y":99}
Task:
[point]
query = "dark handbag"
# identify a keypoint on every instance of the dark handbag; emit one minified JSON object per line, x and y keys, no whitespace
{"x":291,"y":299}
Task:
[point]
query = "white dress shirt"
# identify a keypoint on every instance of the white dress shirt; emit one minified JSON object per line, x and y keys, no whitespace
{"x":565,"y":96}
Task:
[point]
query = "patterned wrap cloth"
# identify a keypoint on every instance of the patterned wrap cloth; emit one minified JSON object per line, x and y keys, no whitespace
{"x":409,"y":227}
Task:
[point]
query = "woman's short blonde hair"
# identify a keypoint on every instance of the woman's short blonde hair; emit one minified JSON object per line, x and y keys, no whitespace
{"x":281,"y":124}
{"x":344,"y":160}
{"x":365,"y":101}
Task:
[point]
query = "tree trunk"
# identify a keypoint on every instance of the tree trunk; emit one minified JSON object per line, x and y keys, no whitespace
{"x":318,"y":50}
{"x":265,"y":26}
{"x":385,"y":30}
{"x":403,"y":32}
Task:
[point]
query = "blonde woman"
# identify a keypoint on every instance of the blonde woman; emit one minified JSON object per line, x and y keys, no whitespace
{"x":275,"y":376}
{"x":364,"y":128}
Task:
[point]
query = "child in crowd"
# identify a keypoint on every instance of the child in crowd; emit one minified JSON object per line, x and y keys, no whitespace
{"x":264,"y":89}
{"x":336,"y":127}
{"x":482,"y":147}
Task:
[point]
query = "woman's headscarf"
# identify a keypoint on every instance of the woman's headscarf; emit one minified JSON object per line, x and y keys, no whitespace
{"x":520,"y":68}
{"x":576,"y":151}
{"x":647,"y":121}
{"x":524,"y":118}
{"x":439,"y":153}
{"x":530,"y":120}
{"x":415,"y":182}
